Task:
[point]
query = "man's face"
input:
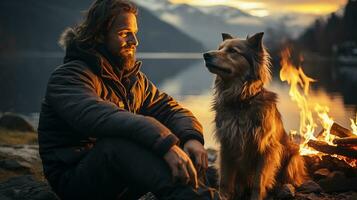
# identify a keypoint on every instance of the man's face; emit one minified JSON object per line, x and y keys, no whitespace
{"x":121,"y":40}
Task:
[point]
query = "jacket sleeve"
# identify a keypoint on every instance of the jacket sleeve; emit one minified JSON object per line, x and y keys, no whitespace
{"x":164,"y":108}
{"x":71,"y":93}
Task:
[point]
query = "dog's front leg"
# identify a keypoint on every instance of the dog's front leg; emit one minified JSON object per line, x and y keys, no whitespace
{"x":258,"y":192}
{"x":227,"y":178}
{"x":265,"y":174}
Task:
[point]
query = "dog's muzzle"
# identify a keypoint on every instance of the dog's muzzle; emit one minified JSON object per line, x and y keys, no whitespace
{"x":207,"y":56}
{"x":210,"y":65}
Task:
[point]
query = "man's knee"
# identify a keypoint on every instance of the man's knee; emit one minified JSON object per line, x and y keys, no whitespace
{"x":135,"y":163}
{"x":119,"y":148}
{"x":115,"y":144}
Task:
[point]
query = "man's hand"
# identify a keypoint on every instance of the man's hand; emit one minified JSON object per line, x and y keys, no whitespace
{"x":181,"y":166}
{"x":196,"y":150}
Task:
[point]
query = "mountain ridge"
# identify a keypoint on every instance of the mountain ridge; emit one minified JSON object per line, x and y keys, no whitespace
{"x":34,"y":26}
{"x":43,"y":21}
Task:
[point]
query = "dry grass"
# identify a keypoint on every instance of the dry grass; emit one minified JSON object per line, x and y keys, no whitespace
{"x":11,"y":137}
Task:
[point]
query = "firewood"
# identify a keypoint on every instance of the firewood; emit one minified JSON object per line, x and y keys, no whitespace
{"x":340,"y":131}
{"x":346,"y":141}
{"x":320,"y":133}
{"x":326,"y":148}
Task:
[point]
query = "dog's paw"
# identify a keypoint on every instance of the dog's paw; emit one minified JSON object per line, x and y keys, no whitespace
{"x":256,"y":196}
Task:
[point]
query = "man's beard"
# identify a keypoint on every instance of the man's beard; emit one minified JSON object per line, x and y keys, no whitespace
{"x":127,"y":61}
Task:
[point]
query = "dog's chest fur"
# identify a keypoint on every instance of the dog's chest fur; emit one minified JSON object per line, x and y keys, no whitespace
{"x":239,"y":125}
{"x":235,"y":126}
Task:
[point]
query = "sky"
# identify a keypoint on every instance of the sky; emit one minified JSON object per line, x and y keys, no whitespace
{"x":272,"y":7}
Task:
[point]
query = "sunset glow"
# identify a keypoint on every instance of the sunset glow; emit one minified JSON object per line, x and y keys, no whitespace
{"x":313,"y":8}
{"x":261,"y":9}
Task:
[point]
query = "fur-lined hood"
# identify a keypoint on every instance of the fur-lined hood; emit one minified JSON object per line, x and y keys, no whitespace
{"x":67,"y":37}
{"x":75,"y":50}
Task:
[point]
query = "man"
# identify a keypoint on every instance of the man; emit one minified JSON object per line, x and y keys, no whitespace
{"x":105,"y":131}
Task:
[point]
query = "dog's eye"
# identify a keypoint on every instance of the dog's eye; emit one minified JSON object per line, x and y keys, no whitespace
{"x":232,"y":50}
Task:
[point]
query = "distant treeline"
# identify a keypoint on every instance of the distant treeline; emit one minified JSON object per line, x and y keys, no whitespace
{"x":336,"y":30}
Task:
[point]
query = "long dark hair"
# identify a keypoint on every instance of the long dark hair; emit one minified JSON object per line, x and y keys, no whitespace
{"x":98,"y":19}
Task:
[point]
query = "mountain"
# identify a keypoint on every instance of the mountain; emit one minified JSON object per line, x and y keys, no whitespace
{"x":29,"y":52}
{"x":226,"y":13}
{"x":206,"y":24}
{"x":37,"y":24}
{"x":156,"y":35}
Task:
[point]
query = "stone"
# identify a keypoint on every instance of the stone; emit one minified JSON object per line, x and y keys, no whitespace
{"x":212,"y":156}
{"x":26,"y":187}
{"x":287,"y":191}
{"x":312,"y":163}
{"x":25,"y":152}
{"x":2,"y":197}
{"x":310,"y":187}
{"x":212,"y":177}
{"x":326,"y":196}
{"x":337,"y":174}
{"x":338,"y":182}
{"x":148,"y":196}
{"x":15,"y":122}
{"x":14,"y":165}
{"x":309,"y":196}
{"x":321,"y":173}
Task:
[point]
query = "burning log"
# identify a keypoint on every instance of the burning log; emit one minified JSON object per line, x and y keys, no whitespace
{"x":347,"y":141}
{"x":340,"y":131}
{"x":320,"y":133}
{"x":326,"y":148}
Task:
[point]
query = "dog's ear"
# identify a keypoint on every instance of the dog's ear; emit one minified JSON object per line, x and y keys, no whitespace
{"x":226,"y":36}
{"x":256,"y":41}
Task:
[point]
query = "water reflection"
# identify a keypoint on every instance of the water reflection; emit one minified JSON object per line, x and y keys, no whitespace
{"x":334,"y":78}
{"x":193,"y":89}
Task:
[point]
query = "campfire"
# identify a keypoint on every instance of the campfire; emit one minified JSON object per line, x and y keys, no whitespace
{"x":332,"y":149}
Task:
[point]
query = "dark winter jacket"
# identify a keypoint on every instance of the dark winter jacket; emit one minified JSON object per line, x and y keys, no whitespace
{"x":87,"y":99}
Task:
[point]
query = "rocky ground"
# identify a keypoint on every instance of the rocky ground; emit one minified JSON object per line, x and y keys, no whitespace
{"x":21,"y":174}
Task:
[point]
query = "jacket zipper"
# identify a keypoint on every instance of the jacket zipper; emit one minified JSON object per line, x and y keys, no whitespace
{"x":120,"y":90}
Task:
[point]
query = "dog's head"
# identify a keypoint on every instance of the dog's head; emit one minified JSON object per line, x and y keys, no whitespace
{"x":243,"y":64}
{"x":240,"y":59}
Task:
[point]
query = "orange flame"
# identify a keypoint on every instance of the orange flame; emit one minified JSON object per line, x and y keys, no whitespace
{"x":299,"y":89}
{"x":354,"y":125}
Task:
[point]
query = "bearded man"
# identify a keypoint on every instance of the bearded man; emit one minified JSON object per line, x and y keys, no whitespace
{"x":105,"y":130}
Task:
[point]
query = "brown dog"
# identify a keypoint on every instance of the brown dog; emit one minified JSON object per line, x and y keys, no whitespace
{"x":256,"y":153}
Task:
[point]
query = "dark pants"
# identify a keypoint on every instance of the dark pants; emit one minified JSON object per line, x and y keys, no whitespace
{"x":120,"y":169}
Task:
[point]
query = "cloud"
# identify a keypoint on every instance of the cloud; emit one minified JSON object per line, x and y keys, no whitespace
{"x":320,"y":7}
{"x":172,"y":18}
{"x":245,"y":21}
